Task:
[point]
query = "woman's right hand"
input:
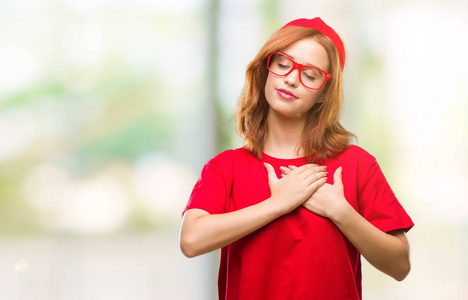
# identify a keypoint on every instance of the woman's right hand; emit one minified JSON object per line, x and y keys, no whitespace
{"x":296,"y":187}
{"x":202,"y":232}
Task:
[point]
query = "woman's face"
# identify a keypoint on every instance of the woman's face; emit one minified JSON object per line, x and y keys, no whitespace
{"x":286,"y":95}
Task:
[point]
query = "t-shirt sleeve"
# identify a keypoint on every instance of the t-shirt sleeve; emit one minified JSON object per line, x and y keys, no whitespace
{"x":377,"y":202}
{"x":212,"y":190}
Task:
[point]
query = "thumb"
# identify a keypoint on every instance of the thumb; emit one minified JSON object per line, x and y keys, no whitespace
{"x":271,"y":172}
{"x":337,"y":176}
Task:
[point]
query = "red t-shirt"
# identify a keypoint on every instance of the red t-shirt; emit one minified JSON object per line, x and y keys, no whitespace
{"x":299,"y":255}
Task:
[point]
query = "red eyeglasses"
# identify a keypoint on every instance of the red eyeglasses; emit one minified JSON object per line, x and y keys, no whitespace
{"x":311,"y":77}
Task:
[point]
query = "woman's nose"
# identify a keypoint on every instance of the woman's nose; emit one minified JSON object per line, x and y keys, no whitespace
{"x":292,"y":78}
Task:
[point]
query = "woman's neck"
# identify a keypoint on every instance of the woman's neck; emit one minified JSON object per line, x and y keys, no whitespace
{"x":284,"y":134}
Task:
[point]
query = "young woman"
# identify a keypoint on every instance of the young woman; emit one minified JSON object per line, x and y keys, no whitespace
{"x":295,"y":208}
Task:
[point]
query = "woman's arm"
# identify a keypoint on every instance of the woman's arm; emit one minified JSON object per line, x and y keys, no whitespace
{"x":202,"y":232}
{"x":388,"y":252}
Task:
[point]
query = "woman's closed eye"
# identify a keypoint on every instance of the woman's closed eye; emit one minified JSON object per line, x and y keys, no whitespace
{"x":308,"y":76}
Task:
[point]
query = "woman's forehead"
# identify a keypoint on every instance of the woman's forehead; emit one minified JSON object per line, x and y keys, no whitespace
{"x":308,"y":51}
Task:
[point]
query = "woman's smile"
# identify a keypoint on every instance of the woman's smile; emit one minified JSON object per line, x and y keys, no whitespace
{"x":288,"y":95}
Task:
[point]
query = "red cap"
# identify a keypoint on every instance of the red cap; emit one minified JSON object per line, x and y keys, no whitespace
{"x":317,"y":23}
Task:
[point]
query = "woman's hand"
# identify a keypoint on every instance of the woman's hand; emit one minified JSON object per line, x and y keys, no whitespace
{"x":202,"y":232}
{"x":388,"y":252}
{"x":296,"y":187}
{"x":328,"y":200}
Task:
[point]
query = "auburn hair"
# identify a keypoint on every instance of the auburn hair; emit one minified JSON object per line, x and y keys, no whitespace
{"x":323,"y":136}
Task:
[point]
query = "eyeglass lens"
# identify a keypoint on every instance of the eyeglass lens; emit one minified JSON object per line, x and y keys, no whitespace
{"x":311,"y":77}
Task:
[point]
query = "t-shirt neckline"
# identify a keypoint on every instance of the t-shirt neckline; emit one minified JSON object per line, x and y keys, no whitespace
{"x":267,"y":158}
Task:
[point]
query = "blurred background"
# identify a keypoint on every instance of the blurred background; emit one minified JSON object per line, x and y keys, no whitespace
{"x":109,"y":109}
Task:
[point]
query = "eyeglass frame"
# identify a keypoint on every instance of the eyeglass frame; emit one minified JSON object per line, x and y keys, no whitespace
{"x":298,"y":66}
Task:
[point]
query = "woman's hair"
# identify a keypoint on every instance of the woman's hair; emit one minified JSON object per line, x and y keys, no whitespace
{"x":323,"y":135}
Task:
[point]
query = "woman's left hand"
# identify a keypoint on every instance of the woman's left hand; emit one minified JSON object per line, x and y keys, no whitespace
{"x":388,"y":252}
{"x":328,"y":200}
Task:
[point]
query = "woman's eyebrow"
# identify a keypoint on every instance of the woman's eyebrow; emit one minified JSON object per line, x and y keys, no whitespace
{"x":291,"y":57}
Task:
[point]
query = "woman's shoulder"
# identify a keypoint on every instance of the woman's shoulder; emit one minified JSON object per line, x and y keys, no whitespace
{"x":356,"y":153}
{"x":233,"y":155}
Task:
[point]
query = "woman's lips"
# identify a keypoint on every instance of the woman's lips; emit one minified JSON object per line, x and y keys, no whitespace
{"x":286,"y":94}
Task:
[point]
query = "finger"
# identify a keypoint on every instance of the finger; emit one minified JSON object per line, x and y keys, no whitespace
{"x":337,"y":176}
{"x":317,"y":184}
{"x":285,"y":170}
{"x":316,"y":176}
{"x":312,"y":170}
{"x":304,"y":168}
{"x":271,"y":172}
